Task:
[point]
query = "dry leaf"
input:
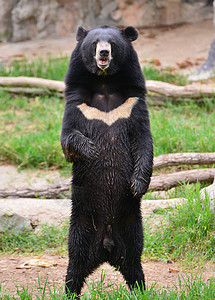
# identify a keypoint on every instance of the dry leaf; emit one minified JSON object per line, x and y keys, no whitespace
{"x":156,"y":62}
{"x":37,"y":262}
{"x":185,"y":64}
{"x":173,"y":271}
{"x":18,"y":55}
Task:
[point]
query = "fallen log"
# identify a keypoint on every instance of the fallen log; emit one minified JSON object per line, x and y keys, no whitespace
{"x":49,"y":191}
{"x":25,"y":91}
{"x":158,"y":183}
{"x":171,"y":90}
{"x":160,"y":100}
{"x":176,"y":159}
{"x":168,"y":181}
{"x":22,"y":81}
{"x":159,"y":87}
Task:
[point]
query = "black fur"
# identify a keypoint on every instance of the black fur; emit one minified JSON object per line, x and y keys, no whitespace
{"x":112,"y":165}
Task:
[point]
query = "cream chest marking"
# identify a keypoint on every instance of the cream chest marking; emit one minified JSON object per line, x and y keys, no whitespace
{"x":121,"y":112}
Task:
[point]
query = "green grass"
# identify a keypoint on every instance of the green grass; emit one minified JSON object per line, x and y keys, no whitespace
{"x":30,"y":130}
{"x":166,"y":75}
{"x":187,"y":232}
{"x":182,"y":128}
{"x":49,"y":237}
{"x":49,"y":68}
{"x":189,"y":289}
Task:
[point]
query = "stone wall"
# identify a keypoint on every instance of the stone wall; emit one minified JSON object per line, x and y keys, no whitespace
{"x":28,"y":19}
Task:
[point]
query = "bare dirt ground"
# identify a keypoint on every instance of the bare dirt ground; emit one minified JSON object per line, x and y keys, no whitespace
{"x":13,"y":275}
{"x":171,"y":46}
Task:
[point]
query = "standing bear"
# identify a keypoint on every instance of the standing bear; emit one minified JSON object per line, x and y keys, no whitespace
{"x":106,"y":134}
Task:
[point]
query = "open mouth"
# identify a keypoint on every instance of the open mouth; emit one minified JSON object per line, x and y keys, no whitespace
{"x":103,"y":55}
{"x":103,"y":63}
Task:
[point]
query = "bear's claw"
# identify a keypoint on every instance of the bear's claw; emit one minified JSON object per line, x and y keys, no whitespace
{"x":138,"y":187}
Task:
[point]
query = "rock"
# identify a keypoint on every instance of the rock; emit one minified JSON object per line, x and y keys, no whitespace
{"x":108,"y":9}
{"x":22,"y":19}
{"x":13,"y":222}
{"x":31,"y":19}
{"x":210,"y":191}
{"x":39,"y":211}
{"x":116,"y":15}
{"x":5,"y":18}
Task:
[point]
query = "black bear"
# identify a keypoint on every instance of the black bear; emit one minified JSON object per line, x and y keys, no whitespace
{"x":106,"y":134}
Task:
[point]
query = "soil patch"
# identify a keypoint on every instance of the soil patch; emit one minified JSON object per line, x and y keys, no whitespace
{"x":12,"y":276}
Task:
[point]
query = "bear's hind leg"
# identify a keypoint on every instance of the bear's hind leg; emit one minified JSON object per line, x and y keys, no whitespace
{"x":77,"y":272}
{"x":133,"y":274}
{"x":82,"y":259}
{"x":131,"y":231}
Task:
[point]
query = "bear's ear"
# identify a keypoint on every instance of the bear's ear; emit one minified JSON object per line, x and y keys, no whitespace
{"x":130,"y":33}
{"x":81,"y":33}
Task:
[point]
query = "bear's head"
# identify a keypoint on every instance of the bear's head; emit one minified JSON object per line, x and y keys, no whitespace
{"x":105,"y":49}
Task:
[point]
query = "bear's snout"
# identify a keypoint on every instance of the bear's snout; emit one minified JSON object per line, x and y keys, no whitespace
{"x":103,"y":55}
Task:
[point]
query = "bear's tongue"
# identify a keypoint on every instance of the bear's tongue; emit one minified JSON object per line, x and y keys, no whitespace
{"x":103,"y":62}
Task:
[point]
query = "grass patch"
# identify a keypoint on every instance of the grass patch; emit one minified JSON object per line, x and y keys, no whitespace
{"x":30,"y":130}
{"x":49,"y":68}
{"x":166,"y":75}
{"x":190,"y":288}
{"x":182,"y":128}
{"x":187,"y":232}
{"x":48,"y":237}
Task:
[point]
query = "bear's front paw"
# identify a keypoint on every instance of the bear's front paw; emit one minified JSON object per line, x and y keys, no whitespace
{"x":69,"y":156}
{"x":139,"y":186}
{"x":89,"y":150}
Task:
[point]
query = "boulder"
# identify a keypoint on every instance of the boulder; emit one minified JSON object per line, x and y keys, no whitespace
{"x":13,"y":222}
{"x":5,"y":18}
{"x":38,"y":211}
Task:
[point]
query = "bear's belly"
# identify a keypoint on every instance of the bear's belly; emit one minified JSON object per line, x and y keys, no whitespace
{"x":109,"y":175}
